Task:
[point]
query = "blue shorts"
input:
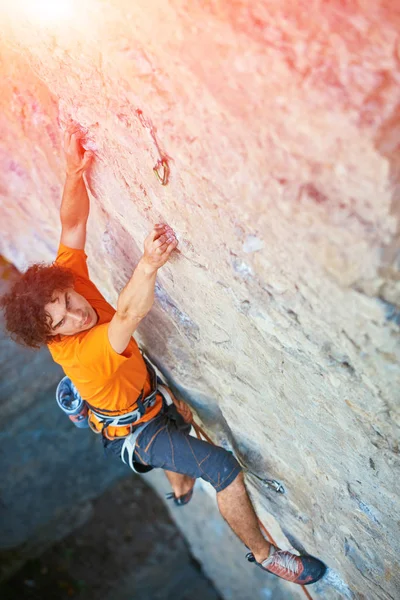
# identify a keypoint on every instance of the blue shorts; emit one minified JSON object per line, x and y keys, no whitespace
{"x":165,"y":443}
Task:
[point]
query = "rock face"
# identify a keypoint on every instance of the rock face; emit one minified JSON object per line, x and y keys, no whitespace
{"x":278,"y":320}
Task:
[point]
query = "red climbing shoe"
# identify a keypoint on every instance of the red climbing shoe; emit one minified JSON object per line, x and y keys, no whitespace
{"x":302,"y":570}
{"x":180,"y":500}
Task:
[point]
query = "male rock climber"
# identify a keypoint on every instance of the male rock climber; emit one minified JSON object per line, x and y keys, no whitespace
{"x":59,"y":306}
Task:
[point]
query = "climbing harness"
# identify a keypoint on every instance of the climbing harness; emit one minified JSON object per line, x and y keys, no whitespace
{"x":125,"y":420}
{"x":109,"y":418}
{"x":70,"y":401}
{"x":128,"y":447}
{"x":77,"y":409}
{"x":128,"y":451}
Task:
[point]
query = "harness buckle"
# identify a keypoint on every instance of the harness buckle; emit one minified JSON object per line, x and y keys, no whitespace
{"x":117,"y":437}
{"x":92,"y":427}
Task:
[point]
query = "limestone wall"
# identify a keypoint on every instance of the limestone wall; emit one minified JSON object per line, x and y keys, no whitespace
{"x":279,"y":317}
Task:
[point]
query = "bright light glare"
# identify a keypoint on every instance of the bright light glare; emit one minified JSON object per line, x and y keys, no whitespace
{"x":47,"y":11}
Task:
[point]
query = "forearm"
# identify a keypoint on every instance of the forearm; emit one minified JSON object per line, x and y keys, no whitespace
{"x":137,"y":297}
{"x":75,"y":201}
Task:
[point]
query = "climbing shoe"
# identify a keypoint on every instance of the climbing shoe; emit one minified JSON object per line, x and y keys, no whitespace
{"x":302,"y":570}
{"x":180,"y":500}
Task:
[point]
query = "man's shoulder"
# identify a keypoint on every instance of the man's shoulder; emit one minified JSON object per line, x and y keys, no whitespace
{"x":91,"y":353}
{"x":76,"y":260}
{"x":80,"y":349}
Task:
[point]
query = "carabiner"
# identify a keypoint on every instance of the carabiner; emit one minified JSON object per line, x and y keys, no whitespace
{"x":275,"y":485}
{"x":164,"y":164}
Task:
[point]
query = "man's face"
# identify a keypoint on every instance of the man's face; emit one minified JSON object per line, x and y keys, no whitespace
{"x":70,"y":313}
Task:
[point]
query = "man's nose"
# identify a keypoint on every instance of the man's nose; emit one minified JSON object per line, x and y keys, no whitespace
{"x":75,"y":315}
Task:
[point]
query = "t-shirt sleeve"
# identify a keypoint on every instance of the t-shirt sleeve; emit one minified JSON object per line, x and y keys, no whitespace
{"x":97,"y":353}
{"x":74,"y":259}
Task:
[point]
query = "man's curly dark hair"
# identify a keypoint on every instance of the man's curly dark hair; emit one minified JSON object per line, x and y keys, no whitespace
{"x":25,"y":316}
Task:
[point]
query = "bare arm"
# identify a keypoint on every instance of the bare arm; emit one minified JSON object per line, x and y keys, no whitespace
{"x":74,"y":210}
{"x":137,"y":297}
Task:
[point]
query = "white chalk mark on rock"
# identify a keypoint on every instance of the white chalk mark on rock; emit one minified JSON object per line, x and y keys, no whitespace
{"x":252,"y":244}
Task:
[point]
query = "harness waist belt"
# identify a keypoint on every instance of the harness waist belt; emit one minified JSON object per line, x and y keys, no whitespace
{"x":127,"y":418}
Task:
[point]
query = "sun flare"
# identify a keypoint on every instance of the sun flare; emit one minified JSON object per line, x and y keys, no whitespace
{"x":47,"y":11}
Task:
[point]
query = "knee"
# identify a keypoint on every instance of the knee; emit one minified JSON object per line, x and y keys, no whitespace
{"x":230,"y":472}
{"x":240,"y":476}
{"x":230,"y":462}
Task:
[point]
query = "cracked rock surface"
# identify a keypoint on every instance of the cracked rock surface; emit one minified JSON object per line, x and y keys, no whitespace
{"x":278,"y":320}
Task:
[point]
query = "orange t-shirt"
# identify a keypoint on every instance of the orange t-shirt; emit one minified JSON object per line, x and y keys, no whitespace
{"x":106,"y":379}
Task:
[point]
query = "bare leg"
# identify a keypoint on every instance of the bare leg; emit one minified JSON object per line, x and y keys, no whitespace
{"x":180,"y":484}
{"x":237,"y":510}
